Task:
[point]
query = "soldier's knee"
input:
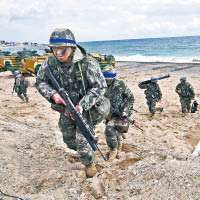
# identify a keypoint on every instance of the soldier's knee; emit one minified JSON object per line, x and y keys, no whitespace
{"x":110,"y":130}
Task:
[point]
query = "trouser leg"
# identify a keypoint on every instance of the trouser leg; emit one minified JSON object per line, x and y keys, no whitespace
{"x":85,"y":151}
{"x":183,"y":105}
{"x":152,"y":106}
{"x":113,"y":138}
{"x":68,"y":129}
{"x":19,"y":94}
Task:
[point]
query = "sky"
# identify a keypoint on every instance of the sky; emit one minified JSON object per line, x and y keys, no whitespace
{"x":97,"y":20}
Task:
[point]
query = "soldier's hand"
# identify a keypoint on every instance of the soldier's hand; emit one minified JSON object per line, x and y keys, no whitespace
{"x":124,"y":115}
{"x":139,"y":84}
{"x":79,"y":108}
{"x":58,"y":99}
{"x":179,"y":91}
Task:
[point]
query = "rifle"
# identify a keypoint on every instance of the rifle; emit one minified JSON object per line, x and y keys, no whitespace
{"x":85,"y":128}
{"x":194,"y":107}
{"x":14,"y":87}
{"x":149,"y":81}
{"x":115,"y":111}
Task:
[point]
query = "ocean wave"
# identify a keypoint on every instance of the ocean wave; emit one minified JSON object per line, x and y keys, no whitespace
{"x":168,"y":59}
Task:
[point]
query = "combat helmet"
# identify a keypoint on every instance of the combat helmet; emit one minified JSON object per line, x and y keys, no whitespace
{"x":183,"y":79}
{"x":153,"y":79}
{"x":17,"y":72}
{"x":109,"y":72}
{"x":62,"y":37}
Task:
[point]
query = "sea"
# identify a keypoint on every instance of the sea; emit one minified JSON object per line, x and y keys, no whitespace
{"x":169,"y":49}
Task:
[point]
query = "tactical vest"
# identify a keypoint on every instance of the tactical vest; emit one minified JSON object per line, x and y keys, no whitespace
{"x":75,"y":81}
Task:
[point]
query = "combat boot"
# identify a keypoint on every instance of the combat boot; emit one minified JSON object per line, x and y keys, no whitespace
{"x":26,"y":99}
{"x":183,"y":114}
{"x":90,"y":170}
{"x":124,"y":135}
{"x":112,"y":154}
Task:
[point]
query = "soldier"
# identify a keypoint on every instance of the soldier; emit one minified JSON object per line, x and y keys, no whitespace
{"x":80,"y":75}
{"x":186,"y":94}
{"x":121,"y":100}
{"x":153,"y":95}
{"x":20,"y":86}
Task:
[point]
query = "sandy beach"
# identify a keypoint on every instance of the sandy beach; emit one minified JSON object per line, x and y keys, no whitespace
{"x":154,"y":164}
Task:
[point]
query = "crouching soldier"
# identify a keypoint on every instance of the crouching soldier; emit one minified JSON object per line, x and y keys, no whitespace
{"x":153,"y":94}
{"x":186,"y":94}
{"x":121,"y":100}
{"x":20,"y":86}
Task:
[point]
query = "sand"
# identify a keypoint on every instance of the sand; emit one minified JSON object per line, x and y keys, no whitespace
{"x":153,"y":164}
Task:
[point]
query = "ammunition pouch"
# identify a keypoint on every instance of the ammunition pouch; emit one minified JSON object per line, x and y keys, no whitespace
{"x":122,"y":125}
{"x":75,"y":97}
{"x":100,"y":110}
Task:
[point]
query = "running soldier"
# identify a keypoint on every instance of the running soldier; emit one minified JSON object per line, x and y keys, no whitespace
{"x":121,"y":100}
{"x":186,"y":94}
{"x":20,"y":86}
{"x":80,"y":75}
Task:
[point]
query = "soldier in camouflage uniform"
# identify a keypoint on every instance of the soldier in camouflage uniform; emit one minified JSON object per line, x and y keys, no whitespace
{"x":80,"y":75}
{"x":153,"y":94}
{"x":121,"y":100}
{"x":186,"y":94}
{"x":20,"y":86}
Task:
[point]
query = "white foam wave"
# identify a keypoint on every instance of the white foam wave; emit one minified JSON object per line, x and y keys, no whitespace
{"x":172,"y":59}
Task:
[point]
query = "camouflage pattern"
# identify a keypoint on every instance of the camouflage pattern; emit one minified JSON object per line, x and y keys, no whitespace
{"x":186,"y":95}
{"x":121,"y":99}
{"x":21,"y":85}
{"x":153,"y":95}
{"x":88,"y":95}
{"x":62,"y":33}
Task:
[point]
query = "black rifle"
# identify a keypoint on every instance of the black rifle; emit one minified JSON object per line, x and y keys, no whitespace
{"x":14,"y":87}
{"x":85,"y":128}
{"x":194,"y":107}
{"x":115,"y":111}
{"x":149,"y":81}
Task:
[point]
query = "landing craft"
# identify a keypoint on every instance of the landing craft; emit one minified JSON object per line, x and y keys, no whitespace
{"x":104,"y":59}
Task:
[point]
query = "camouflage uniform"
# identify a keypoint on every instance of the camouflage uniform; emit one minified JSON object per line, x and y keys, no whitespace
{"x":70,"y":77}
{"x":121,"y":99}
{"x":186,"y":95}
{"x":153,"y":95}
{"x":21,"y":85}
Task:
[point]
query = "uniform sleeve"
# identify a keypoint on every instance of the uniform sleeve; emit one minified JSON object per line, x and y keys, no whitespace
{"x":43,"y":84}
{"x":191,"y":89}
{"x":143,"y":86}
{"x":177,"y":88}
{"x":97,"y":85}
{"x":128,"y":100}
{"x":159,"y":93}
